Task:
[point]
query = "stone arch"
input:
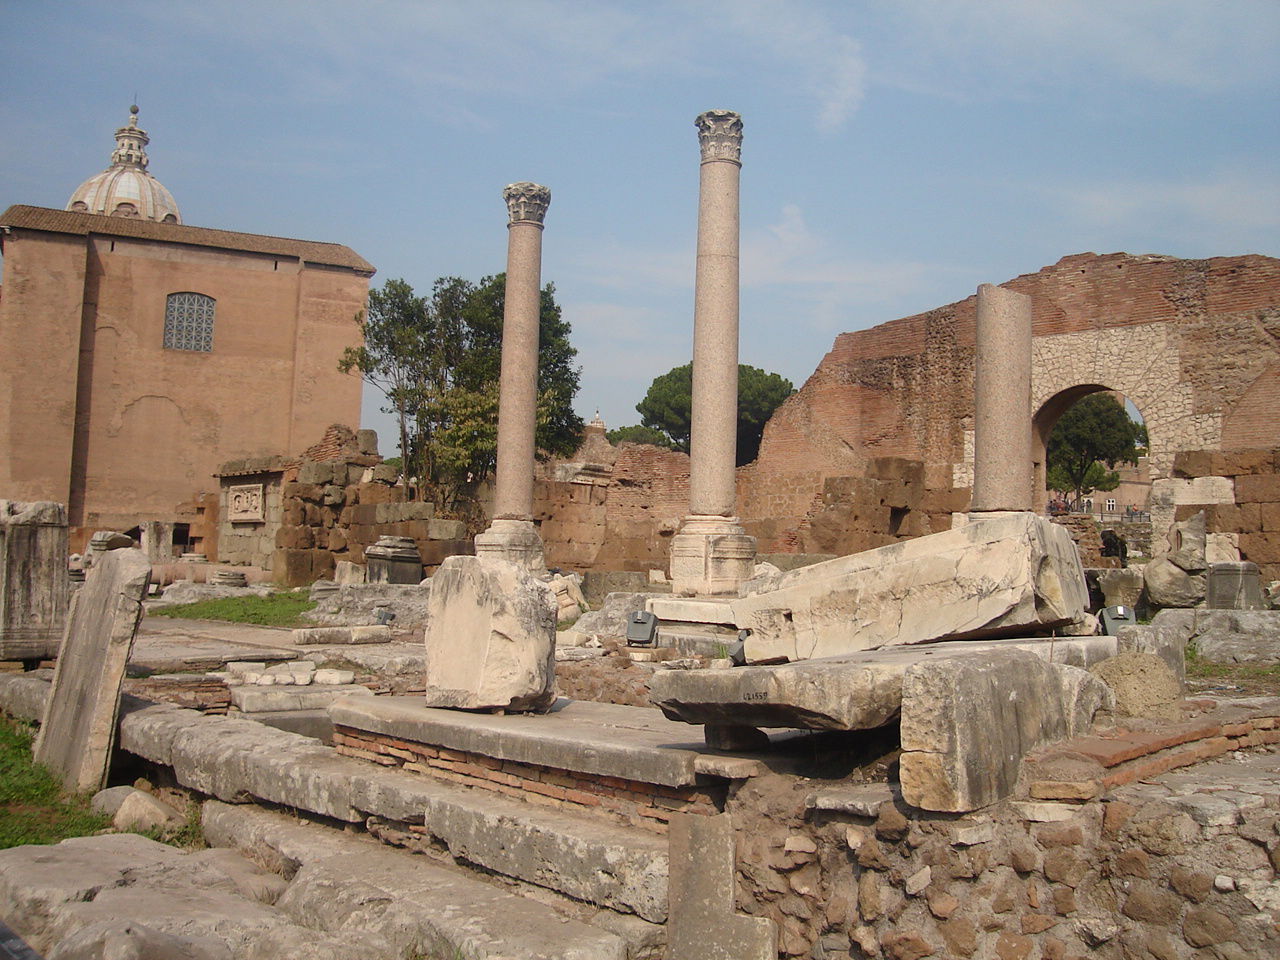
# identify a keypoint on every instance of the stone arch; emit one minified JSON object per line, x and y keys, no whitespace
{"x":1042,"y":423}
{"x":1143,"y":363}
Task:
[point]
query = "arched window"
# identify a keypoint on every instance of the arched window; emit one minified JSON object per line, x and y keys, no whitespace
{"x":188,"y":322}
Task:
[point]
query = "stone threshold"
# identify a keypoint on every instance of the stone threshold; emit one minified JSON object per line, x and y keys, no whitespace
{"x":1123,"y":755}
{"x":580,"y":737}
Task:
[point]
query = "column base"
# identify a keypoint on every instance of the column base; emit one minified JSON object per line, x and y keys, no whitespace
{"x":711,"y":557}
{"x":515,"y":541}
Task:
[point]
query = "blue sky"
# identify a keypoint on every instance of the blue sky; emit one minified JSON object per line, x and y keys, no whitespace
{"x":896,"y":153}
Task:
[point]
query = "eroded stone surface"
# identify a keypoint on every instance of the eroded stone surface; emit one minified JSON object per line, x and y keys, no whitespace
{"x":34,"y":588}
{"x":858,"y":691}
{"x":992,"y":577}
{"x":79,"y":725}
{"x":967,"y":723}
{"x":491,"y":637}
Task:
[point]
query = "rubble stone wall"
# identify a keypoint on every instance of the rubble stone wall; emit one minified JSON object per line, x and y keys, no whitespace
{"x":1139,"y":871}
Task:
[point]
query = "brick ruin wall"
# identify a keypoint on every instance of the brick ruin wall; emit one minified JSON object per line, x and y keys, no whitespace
{"x":877,"y":445}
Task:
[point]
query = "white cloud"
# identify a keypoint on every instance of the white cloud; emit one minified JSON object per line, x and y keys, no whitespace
{"x":1232,"y":202}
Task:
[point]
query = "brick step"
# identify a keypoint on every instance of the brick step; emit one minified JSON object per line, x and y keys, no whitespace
{"x":1083,"y":768}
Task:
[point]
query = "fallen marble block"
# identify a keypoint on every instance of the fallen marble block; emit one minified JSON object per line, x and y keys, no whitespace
{"x":491,"y":637}
{"x":968,"y":722}
{"x":858,"y":691}
{"x":313,"y":636}
{"x":1008,"y":575}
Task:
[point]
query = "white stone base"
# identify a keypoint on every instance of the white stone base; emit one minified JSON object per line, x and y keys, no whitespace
{"x":711,"y":557}
{"x":515,"y":541}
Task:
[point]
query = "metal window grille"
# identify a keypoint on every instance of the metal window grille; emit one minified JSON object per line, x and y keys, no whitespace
{"x":188,"y":322}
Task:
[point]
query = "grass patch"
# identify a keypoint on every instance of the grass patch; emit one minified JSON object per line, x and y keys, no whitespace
{"x":273,"y":610}
{"x":33,"y":807}
{"x":1250,"y":678}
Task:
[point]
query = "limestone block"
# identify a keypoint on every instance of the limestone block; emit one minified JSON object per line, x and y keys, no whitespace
{"x":992,"y":577}
{"x":446,"y":529}
{"x":34,"y":588}
{"x":79,"y":725}
{"x":1168,"y":585}
{"x":702,"y":921}
{"x":1188,"y":543}
{"x":1121,"y":587}
{"x":1143,"y":685}
{"x":857,"y":691}
{"x":491,"y":637}
{"x":1234,"y":586}
{"x":1222,"y":548}
{"x":967,"y":723}
{"x":311,"y":636}
{"x":611,"y":619}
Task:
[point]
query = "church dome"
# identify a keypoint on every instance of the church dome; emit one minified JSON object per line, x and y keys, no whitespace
{"x":125,"y":189}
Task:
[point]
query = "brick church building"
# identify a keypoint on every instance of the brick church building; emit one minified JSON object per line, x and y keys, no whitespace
{"x":137,"y":353}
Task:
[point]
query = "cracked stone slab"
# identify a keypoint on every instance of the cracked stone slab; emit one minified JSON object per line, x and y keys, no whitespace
{"x":995,"y":577}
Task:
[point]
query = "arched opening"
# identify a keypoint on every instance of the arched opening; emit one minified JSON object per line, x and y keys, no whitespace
{"x":1130,"y":484}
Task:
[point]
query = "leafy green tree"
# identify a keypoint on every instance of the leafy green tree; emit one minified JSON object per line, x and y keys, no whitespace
{"x":438,"y":361}
{"x":1096,"y":431}
{"x":395,"y":354}
{"x":669,"y":402}
{"x":638,"y":433}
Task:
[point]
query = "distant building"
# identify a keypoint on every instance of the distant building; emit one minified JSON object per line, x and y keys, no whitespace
{"x":138,"y":353}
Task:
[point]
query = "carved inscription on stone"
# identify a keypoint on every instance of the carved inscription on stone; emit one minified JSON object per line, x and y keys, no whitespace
{"x":245,"y":503}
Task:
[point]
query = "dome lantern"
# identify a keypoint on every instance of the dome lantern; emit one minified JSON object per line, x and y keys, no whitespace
{"x":126,"y":189}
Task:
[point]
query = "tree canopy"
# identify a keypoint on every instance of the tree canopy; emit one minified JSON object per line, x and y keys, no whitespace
{"x":437,"y":359}
{"x":668,"y":405}
{"x":1086,"y":444}
{"x":638,"y":433}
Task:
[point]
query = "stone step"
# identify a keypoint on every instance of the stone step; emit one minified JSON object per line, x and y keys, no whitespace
{"x":345,"y":885}
{"x":234,"y":759}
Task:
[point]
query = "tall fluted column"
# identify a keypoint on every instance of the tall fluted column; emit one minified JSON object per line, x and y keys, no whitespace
{"x":711,"y":555}
{"x":1002,"y":458}
{"x":512,"y":535}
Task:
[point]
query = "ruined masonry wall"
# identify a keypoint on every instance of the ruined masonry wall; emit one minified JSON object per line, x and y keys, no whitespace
{"x":1143,"y":872}
{"x":1239,"y":491}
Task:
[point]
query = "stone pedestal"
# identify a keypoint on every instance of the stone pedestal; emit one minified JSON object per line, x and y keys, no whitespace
{"x":512,"y":535}
{"x":515,"y":541}
{"x":34,"y":584}
{"x":712,"y":555}
{"x":1002,"y":457}
{"x":1234,"y":586}
{"x":394,"y":560}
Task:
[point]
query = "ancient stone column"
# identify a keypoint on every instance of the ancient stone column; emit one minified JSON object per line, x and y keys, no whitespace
{"x":712,"y":555}
{"x":1002,"y":458}
{"x":512,"y":535}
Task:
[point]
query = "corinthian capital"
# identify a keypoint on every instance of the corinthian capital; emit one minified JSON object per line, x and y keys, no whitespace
{"x":720,"y":135}
{"x":526,"y":201}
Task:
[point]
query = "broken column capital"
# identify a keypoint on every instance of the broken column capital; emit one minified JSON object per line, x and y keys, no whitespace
{"x":527,"y":202}
{"x":720,"y":135}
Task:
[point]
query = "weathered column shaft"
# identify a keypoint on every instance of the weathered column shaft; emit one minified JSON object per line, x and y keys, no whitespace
{"x":518,"y":388}
{"x":1002,"y":457}
{"x":714,"y":422}
{"x":712,"y":555}
{"x":512,"y":535}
